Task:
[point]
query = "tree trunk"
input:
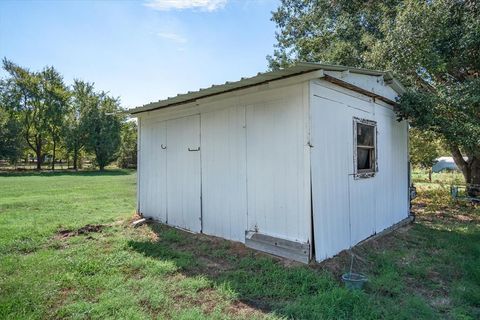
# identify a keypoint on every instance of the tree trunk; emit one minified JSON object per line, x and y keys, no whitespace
{"x":470,"y":169}
{"x":474,"y":189}
{"x":75,"y":159}
{"x":430,"y":175}
{"x":53,"y":155}
{"x":38,"y":153}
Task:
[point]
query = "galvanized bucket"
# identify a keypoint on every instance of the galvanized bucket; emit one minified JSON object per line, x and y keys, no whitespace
{"x":354,"y":281}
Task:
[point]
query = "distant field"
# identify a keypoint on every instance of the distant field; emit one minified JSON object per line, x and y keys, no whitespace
{"x":67,"y":250}
{"x":441,"y":178}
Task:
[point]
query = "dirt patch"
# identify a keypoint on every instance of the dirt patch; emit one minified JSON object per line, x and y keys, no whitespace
{"x":246,"y":309}
{"x":87,"y":229}
{"x":214,"y":267}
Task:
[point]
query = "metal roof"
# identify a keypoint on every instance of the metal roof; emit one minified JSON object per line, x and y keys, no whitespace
{"x":297,"y":69}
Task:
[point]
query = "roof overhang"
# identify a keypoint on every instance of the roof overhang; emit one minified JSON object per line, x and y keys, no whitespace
{"x":261,"y":78}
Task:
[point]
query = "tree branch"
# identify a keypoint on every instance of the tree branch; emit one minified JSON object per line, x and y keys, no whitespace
{"x":27,"y":132}
{"x":458,"y":157}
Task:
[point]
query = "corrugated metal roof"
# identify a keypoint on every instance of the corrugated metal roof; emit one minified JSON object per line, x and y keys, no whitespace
{"x":297,"y":69}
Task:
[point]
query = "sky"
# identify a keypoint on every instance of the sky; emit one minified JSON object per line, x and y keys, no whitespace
{"x":140,"y":51}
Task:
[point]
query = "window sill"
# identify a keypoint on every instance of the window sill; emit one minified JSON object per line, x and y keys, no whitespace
{"x":364,"y":175}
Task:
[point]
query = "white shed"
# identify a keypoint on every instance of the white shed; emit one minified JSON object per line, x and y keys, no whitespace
{"x":302,"y":162}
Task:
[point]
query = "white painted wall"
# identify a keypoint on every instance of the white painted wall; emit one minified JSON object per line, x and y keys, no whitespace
{"x":275,"y":168}
{"x":254,"y":163}
{"x":253,"y":168}
{"x":152,"y":170}
{"x":348,"y":210}
{"x":183,"y":173}
{"x":370,"y":83}
{"x":224,"y":191}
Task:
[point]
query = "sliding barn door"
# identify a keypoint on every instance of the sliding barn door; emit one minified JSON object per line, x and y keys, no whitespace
{"x":183,"y":173}
{"x":152,"y":171}
{"x":224,"y":179}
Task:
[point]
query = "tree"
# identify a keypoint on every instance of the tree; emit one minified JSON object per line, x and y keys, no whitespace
{"x":103,"y":125}
{"x":22,"y":95}
{"x":128,"y":148}
{"x":445,"y":70}
{"x":425,"y":148}
{"x":432,"y":46}
{"x":56,"y":96}
{"x":83,"y":99}
{"x":454,"y":113}
{"x":39,"y":100}
{"x":11,"y":142}
{"x":338,"y":32}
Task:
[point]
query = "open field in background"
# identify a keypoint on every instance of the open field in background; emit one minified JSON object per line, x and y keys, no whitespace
{"x":420,"y":177}
{"x":67,"y":250}
{"x":21,"y":166}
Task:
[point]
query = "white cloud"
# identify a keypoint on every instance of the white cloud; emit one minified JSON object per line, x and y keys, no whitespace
{"x":204,"y":5}
{"x":172,"y":37}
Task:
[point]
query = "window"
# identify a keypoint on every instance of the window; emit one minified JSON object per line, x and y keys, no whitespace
{"x":365,"y":145}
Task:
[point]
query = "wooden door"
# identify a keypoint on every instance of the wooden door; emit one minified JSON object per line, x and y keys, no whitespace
{"x":183,"y":173}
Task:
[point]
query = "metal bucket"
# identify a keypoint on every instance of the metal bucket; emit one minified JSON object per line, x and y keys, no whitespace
{"x":354,"y":281}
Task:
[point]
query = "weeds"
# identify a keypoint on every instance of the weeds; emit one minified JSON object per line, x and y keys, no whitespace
{"x":67,"y":251}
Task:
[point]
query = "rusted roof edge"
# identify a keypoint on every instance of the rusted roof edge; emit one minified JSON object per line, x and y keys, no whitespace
{"x":222,"y":92}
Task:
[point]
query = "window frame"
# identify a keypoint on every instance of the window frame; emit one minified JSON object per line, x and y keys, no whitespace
{"x":364,"y":173}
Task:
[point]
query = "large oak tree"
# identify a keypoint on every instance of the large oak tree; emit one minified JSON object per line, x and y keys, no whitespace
{"x":432,"y":46}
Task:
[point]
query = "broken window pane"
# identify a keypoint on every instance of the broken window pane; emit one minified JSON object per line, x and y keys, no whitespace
{"x":363,"y":159}
{"x":365,"y":148}
{"x":365,"y":135}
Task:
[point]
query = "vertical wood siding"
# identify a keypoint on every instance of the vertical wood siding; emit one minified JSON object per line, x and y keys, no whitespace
{"x":224,"y":198}
{"x":275,"y":169}
{"x":253,"y":169}
{"x":348,"y":210}
{"x":183,"y":173}
{"x":273,"y":160}
{"x":152,"y":171}
{"x":330,"y":165}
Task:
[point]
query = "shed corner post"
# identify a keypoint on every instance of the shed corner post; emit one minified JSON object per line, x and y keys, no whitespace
{"x":139,"y":154}
{"x":307,"y":105}
{"x":409,"y":172}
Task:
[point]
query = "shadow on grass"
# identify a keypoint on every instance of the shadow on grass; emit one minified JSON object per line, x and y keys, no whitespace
{"x":49,"y":173}
{"x":257,"y":281}
{"x":264,"y":283}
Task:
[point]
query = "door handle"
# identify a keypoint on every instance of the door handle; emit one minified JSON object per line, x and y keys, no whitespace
{"x":163,"y":147}
{"x":197,"y":149}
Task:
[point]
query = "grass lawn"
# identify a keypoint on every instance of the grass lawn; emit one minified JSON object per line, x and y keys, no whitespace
{"x":67,"y":250}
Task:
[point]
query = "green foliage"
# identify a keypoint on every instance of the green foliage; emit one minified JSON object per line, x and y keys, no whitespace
{"x":75,"y":131}
{"x":39,"y":101}
{"x":444,"y":67}
{"x":127,"y":157}
{"x":425,"y":147}
{"x":22,"y":95}
{"x":432,"y":46}
{"x":11,"y":142}
{"x":54,"y":118}
{"x":56,"y":104}
{"x":454,"y":113}
{"x":339,"y":32}
{"x":103,"y":124}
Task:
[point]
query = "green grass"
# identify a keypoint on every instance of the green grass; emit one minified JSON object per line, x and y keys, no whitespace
{"x":67,"y":250}
{"x":420,"y":177}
